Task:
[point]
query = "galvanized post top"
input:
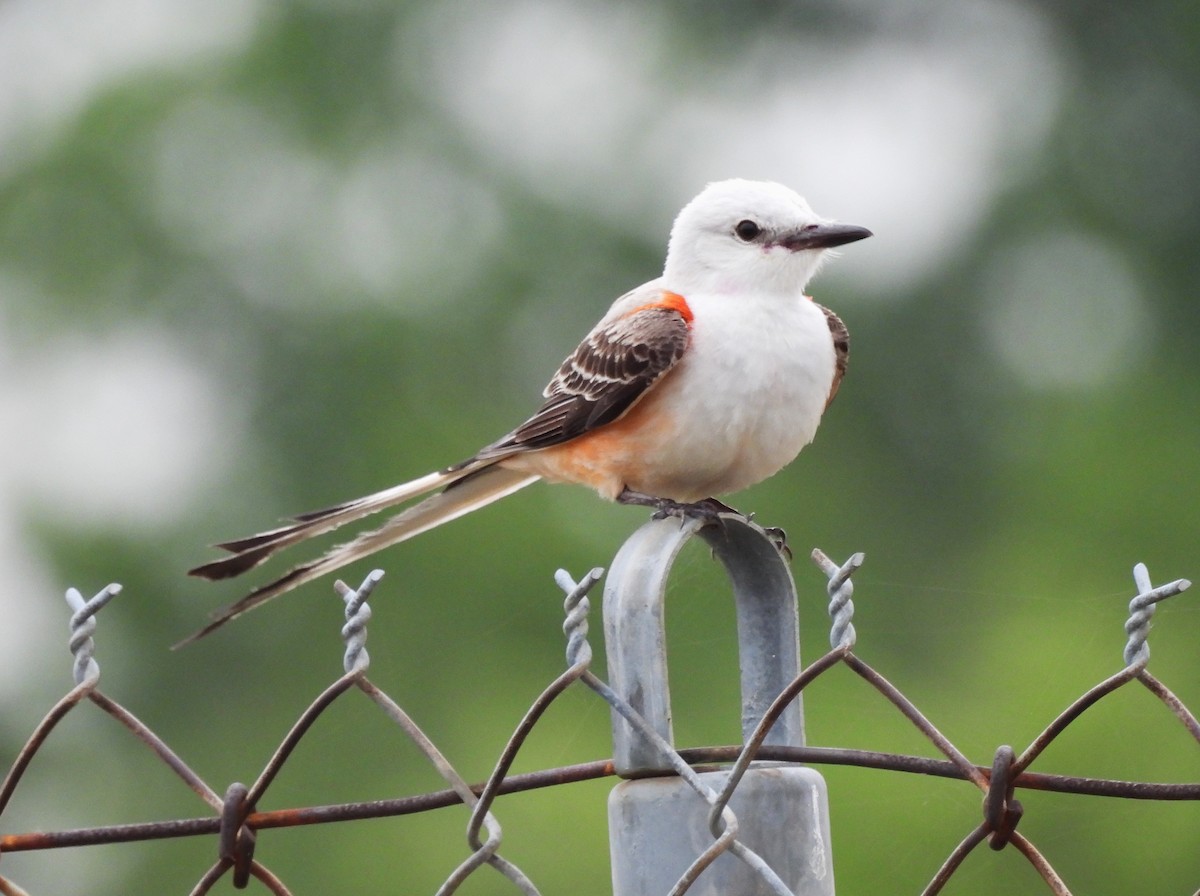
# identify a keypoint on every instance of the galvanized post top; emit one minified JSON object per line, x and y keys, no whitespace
{"x":635,"y":637}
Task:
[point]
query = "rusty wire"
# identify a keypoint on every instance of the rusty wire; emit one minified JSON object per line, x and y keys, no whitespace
{"x":236,"y":820}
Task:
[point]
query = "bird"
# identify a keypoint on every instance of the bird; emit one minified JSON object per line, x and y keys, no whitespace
{"x":699,"y":383}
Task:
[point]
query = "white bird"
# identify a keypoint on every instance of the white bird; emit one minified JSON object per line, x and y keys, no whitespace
{"x":702,"y":382}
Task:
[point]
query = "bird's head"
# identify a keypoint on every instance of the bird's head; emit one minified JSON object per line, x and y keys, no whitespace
{"x":743,"y":234}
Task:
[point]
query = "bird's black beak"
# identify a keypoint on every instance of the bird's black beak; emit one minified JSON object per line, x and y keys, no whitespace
{"x":823,"y":236}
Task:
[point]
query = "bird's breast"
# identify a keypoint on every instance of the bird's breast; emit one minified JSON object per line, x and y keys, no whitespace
{"x":746,"y":397}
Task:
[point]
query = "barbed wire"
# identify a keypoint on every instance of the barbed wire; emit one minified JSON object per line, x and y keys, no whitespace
{"x":237,"y":822}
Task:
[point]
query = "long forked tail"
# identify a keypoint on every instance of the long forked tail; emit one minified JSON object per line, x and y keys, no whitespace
{"x":247,"y":553}
{"x":466,"y":491}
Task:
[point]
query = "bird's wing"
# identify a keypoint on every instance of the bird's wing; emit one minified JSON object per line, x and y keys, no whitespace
{"x":841,"y":348}
{"x":622,"y":358}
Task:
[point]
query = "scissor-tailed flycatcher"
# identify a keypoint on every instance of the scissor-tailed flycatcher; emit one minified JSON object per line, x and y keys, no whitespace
{"x":702,"y":382}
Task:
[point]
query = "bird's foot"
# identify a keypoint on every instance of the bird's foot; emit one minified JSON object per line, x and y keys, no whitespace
{"x":708,"y":510}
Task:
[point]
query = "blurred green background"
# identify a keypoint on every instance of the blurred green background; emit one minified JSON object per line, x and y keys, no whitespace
{"x":258,"y":257}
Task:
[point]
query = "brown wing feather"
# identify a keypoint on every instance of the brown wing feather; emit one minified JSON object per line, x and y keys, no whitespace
{"x":841,"y":348}
{"x":603,"y":378}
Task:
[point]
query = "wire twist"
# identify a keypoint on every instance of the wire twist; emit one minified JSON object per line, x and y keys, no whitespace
{"x":577,"y":605}
{"x":1141,"y":609}
{"x":358,"y":614}
{"x":235,"y":843}
{"x":840,"y":588}
{"x":1001,"y":812}
{"x":83,"y":626}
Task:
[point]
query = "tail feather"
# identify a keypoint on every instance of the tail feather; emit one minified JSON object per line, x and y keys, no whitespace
{"x":468,"y":493}
{"x":247,"y":553}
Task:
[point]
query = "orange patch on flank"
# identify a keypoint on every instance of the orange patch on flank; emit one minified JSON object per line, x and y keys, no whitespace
{"x":671,"y":300}
{"x":611,"y":457}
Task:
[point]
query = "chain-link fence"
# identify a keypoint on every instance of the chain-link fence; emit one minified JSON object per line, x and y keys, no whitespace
{"x":772,"y":726}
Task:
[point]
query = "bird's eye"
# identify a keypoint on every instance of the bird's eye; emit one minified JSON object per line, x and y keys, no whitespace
{"x":747,"y":230}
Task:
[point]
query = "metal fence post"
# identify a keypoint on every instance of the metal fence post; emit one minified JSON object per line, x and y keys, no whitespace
{"x":670,"y":832}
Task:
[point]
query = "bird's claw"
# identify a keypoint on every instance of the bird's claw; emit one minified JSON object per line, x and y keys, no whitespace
{"x":779,"y":538}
